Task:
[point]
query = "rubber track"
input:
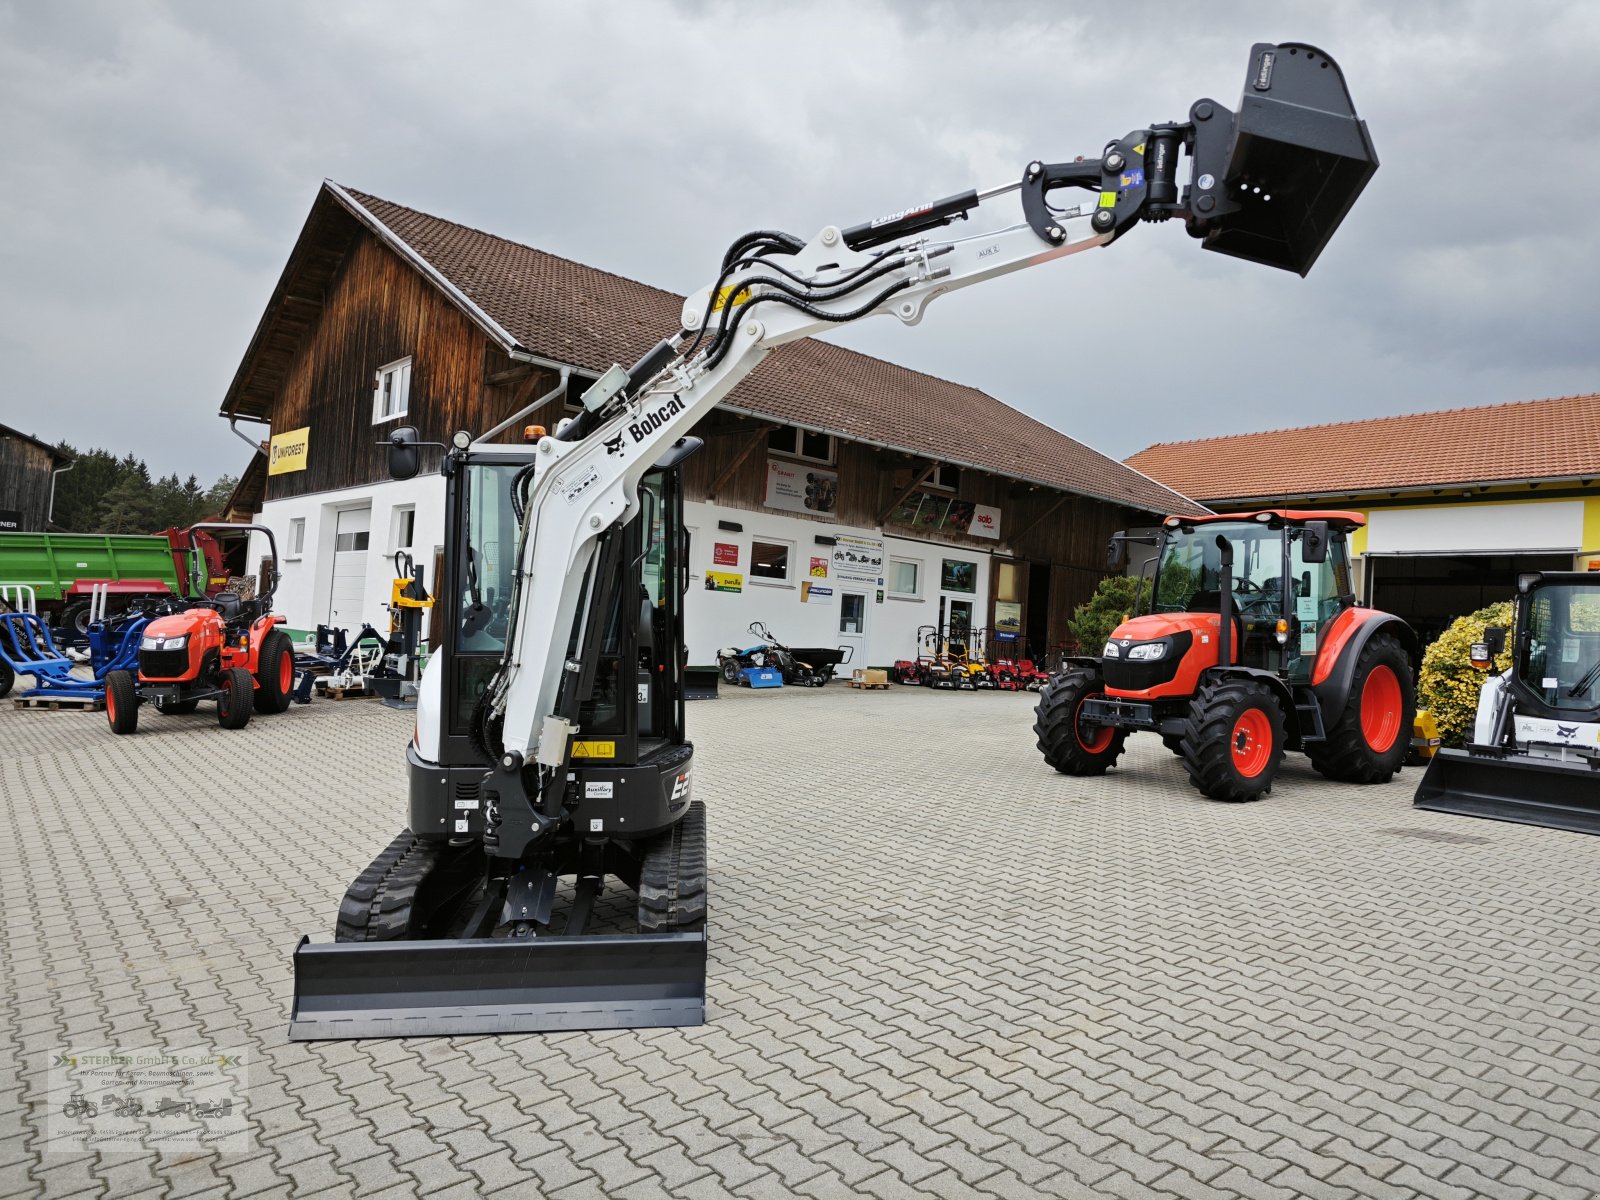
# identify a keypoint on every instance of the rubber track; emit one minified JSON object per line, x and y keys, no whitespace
{"x":377,"y":906}
{"x":672,"y":877}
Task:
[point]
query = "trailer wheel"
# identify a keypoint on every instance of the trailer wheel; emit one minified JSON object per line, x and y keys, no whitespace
{"x":1233,"y":744}
{"x":233,"y":705}
{"x":122,"y":702}
{"x":1068,"y":746}
{"x":1372,"y":736}
{"x":7,"y":678}
{"x":672,"y":876}
{"x":275,"y":673}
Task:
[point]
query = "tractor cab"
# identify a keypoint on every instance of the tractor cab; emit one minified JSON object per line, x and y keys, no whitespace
{"x":1286,"y":574}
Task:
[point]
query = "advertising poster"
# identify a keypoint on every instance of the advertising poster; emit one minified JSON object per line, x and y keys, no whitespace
{"x":1008,"y":616}
{"x":813,"y":593}
{"x":819,"y":568}
{"x":985,"y":521}
{"x":959,"y":575}
{"x":725,"y":554}
{"x":801,"y":488}
{"x":858,"y":560}
{"x":724,"y":581}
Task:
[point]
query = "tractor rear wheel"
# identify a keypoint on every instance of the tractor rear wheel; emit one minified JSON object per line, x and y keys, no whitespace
{"x":1066,"y":743}
{"x":1233,"y":744}
{"x":238,"y":692}
{"x":122,"y":702}
{"x":274,"y":673}
{"x":672,"y":876}
{"x":1370,"y":739}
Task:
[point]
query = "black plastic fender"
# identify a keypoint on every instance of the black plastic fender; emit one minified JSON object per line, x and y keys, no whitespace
{"x":1333,"y":691}
{"x":1280,"y":689}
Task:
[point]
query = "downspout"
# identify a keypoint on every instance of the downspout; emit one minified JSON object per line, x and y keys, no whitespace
{"x":559,"y":390}
{"x":50,"y":505}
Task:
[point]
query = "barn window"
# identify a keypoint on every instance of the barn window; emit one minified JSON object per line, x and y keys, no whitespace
{"x":945,"y":477}
{"x":391,"y":393}
{"x":802,"y":443}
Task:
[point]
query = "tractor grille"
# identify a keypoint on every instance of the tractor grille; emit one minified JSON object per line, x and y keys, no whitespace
{"x":164,"y":664}
{"x":1128,"y":676}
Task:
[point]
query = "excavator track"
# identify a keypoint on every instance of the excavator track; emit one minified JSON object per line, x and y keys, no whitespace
{"x":672,"y":877}
{"x":382,"y":904}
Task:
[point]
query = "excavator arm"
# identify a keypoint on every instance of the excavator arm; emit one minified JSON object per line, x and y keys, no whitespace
{"x":1268,"y":183}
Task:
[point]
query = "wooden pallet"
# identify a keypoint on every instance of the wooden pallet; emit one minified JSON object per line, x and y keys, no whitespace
{"x":78,"y":703}
{"x":338,"y":693}
{"x":870,"y":687}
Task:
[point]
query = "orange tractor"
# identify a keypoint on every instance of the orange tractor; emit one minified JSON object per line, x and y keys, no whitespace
{"x":1252,"y":644}
{"x":219,"y":647}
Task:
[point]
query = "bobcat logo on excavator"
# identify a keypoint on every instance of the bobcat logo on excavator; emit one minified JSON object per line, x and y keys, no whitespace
{"x":652,"y":421}
{"x":614,"y":444}
{"x":1566,"y":731}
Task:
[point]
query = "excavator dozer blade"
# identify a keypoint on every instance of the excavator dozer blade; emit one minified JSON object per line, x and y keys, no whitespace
{"x":1520,"y":788}
{"x":1293,"y":163}
{"x":497,"y":985}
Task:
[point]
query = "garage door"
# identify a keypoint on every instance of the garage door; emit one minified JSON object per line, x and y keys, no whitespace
{"x":353,"y":531}
{"x":1431,"y":590}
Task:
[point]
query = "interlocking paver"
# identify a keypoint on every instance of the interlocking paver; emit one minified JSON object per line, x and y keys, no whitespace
{"x":938,"y":969}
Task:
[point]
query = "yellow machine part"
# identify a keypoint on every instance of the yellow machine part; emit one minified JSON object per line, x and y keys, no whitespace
{"x":1424,"y":735}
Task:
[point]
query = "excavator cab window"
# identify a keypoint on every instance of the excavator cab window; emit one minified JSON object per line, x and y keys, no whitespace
{"x":1558,"y":657}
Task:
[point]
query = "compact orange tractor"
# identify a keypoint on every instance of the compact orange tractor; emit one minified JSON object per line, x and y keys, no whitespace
{"x":220,"y":648}
{"x":1252,"y":644}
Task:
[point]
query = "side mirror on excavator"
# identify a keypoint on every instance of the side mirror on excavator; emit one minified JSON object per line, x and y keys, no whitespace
{"x":405,"y":459}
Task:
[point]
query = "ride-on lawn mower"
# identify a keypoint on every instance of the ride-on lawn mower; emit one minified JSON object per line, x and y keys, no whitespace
{"x":1253,"y":645}
{"x":219,"y":648}
{"x":550,"y":736}
{"x":1534,"y":757}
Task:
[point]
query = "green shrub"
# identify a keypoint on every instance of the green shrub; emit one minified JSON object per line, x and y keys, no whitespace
{"x":1449,"y":684}
{"x":1109,"y":607}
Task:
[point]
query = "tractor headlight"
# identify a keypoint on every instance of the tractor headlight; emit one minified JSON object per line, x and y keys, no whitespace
{"x":1112,"y":650}
{"x":1148,"y":652}
{"x":158,"y":642}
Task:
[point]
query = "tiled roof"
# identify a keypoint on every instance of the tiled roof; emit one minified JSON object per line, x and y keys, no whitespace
{"x":590,"y":318}
{"x":1530,"y":439}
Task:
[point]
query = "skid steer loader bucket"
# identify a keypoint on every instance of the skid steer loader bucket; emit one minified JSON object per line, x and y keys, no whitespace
{"x":1530,"y":791}
{"x":495,"y":985}
{"x":1273,"y":186}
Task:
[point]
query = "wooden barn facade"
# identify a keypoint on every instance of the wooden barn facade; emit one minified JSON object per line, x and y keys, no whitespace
{"x":840,"y":498}
{"x":27,"y":470}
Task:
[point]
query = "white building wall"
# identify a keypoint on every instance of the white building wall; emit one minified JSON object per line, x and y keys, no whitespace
{"x":712,"y":619}
{"x":716,"y":619}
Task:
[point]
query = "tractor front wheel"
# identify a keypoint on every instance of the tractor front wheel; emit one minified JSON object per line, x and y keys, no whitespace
{"x":238,"y":693}
{"x":1370,"y":739}
{"x":1067,"y":744}
{"x":1232,"y":746}
{"x":274,"y":673}
{"x":122,"y":702}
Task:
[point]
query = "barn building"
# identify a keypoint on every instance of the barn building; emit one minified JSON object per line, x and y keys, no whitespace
{"x":1457,"y":502}
{"x":840,"y":498}
{"x":28,"y":468}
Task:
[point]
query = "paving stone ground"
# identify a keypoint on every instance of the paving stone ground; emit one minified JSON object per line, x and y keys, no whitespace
{"x":938,"y":969}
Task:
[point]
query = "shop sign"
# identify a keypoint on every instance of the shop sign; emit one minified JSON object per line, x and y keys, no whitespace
{"x":819,"y":568}
{"x":289,"y":451}
{"x":857,"y":560}
{"x":798,"y":487}
{"x":985,"y":521}
{"x":812,"y":593}
{"x":725,"y":554}
{"x":958,"y":575}
{"x":724,"y":581}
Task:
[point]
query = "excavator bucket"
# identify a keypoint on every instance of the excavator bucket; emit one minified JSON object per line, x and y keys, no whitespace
{"x":1273,"y":187}
{"x":447,"y":986}
{"x":1550,"y":792}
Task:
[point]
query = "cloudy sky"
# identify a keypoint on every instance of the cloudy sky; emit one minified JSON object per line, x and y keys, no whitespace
{"x":159,"y":159}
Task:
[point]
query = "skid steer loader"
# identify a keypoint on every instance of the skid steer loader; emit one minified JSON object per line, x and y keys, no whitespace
{"x":550,"y":738}
{"x":1534,"y":757}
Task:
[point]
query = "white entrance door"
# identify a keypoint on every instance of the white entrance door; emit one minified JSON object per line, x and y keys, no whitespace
{"x":853,"y":609}
{"x":352,"y":533}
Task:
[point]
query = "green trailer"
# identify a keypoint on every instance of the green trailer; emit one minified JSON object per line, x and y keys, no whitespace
{"x":61,"y":568}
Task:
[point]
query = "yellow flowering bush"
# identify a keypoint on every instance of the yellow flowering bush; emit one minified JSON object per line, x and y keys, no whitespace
{"x":1449,"y":684}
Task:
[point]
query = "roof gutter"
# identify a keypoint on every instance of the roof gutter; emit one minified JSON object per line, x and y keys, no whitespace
{"x":1416,"y":491}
